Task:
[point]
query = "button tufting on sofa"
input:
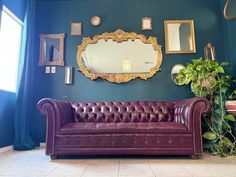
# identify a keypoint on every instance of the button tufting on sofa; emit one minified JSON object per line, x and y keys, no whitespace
{"x":124,"y":127}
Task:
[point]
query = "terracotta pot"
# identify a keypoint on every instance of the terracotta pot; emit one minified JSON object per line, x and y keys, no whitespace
{"x":230,"y":106}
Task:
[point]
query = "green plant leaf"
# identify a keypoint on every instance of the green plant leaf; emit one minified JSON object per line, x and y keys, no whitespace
{"x":227,"y":142}
{"x":220,"y":69}
{"x":209,"y":136}
{"x":225,"y":63}
{"x":217,"y":100}
{"x":230,"y":117}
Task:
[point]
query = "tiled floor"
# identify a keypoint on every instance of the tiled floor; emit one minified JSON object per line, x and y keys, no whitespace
{"x":36,"y":164}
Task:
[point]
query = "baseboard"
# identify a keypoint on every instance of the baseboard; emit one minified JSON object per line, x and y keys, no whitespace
{"x":42,"y":144}
{"x":9,"y":148}
{"x":5,"y":149}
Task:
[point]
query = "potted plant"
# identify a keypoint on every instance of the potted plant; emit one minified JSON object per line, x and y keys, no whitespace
{"x":208,"y":79}
{"x":230,"y":106}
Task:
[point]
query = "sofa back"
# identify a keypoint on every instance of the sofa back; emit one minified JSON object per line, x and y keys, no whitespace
{"x":115,"y":112}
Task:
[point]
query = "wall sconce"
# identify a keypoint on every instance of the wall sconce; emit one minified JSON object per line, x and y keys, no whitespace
{"x":209,"y":52}
{"x":68,"y":75}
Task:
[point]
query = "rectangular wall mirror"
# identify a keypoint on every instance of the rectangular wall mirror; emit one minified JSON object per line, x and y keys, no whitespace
{"x":179,"y":36}
{"x":51,"y":50}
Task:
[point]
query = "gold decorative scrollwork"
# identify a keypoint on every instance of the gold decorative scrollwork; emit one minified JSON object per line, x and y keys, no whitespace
{"x":119,"y":36}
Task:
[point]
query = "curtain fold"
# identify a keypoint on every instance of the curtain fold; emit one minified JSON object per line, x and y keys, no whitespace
{"x":24,"y":97}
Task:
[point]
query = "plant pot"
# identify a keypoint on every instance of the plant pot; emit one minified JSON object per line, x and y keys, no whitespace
{"x":230,"y":106}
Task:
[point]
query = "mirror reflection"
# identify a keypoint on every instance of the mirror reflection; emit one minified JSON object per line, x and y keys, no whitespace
{"x":230,"y":10}
{"x":179,"y":36}
{"x":119,"y":56}
{"x":126,"y":57}
{"x":51,"y":49}
{"x":175,"y":71}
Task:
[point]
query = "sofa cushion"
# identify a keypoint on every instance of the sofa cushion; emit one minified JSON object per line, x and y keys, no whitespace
{"x":124,"y":128}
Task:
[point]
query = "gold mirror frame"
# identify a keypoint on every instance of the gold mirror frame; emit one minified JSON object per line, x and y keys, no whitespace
{"x":167,"y":48}
{"x":225,"y":12}
{"x":119,"y":36}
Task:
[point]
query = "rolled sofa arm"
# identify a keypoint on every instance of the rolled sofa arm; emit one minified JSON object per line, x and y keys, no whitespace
{"x":188,"y":112}
{"x":59,"y":111}
{"x":58,"y":114}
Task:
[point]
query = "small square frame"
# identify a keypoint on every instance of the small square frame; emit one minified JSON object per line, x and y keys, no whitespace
{"x":76,"y":29}
{"x":146,"y":24}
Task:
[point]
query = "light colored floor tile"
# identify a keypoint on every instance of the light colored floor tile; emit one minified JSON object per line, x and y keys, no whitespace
{"x":135,"y":169}
{"x":36,"y":164}
{"x":101,"y":170}
{"x":202,"y":170}
{"x":133,"y":160}
{"x":69,"y":170}
{"x":144,"y":175}
{"x":169,"y":169}
{"x":105,"y":161}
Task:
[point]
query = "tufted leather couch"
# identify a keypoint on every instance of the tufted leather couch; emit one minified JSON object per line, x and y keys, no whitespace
{"x":124,"y":127}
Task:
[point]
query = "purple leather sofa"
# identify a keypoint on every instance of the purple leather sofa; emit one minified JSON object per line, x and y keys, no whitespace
{"x":144,"y":128}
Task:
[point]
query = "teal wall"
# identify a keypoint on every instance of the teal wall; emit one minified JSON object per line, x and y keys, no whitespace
{"x":16,"y":6}
{"x":7,"y":99}
{"x":56,"y":16}
{"x":229,"y":27}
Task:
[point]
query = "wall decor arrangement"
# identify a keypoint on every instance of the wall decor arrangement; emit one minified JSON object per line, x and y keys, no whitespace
{"x":76,"y":29}
{"x":69,"y":75}
{"x":175,"y":71}
{"x":146,"y":23}
{"x":179,"y":36}
{"x":133,"y":56}
{"x":96,"y":21}
{"x":209,"y":51}
{"x":230,"y":10}
{"x":51,"y":49}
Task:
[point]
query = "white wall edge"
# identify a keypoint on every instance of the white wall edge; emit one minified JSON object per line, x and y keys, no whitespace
{"x":5,"y":149}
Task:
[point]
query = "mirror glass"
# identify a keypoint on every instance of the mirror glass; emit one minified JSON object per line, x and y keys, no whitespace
{"x":230,"y":9}
{"x":51,"y":50}
{"x":119,"y":56}
{"x":113,"y":57}
{"x":179,"y":36}
{"x":175,"y":71}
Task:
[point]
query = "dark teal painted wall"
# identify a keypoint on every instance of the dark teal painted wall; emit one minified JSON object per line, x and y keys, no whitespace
{"x":229,"y":27}
{"x":7,"y":99}
{"x":55,"y":17}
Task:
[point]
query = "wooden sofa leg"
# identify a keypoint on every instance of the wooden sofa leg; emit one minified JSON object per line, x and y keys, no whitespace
{"x":53,"y":156}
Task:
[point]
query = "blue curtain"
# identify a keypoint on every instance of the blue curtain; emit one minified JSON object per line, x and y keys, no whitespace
{"x":24,"y":97}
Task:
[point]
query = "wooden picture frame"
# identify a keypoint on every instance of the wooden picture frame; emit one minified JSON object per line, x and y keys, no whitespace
{"x":186,"y":32}
{"x":51,"y":50}
{"x":146,"y":24}
{"x":76,"y":29}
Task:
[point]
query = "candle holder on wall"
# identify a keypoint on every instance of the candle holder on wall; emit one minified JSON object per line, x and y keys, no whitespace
{"x":209,"y":52}
{"x":68,"y":75}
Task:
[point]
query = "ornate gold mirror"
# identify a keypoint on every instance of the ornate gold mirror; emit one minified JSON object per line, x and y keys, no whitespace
{"x":119,"y":56}
{"x":230,"y":10}
{"x":180,"y":36}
